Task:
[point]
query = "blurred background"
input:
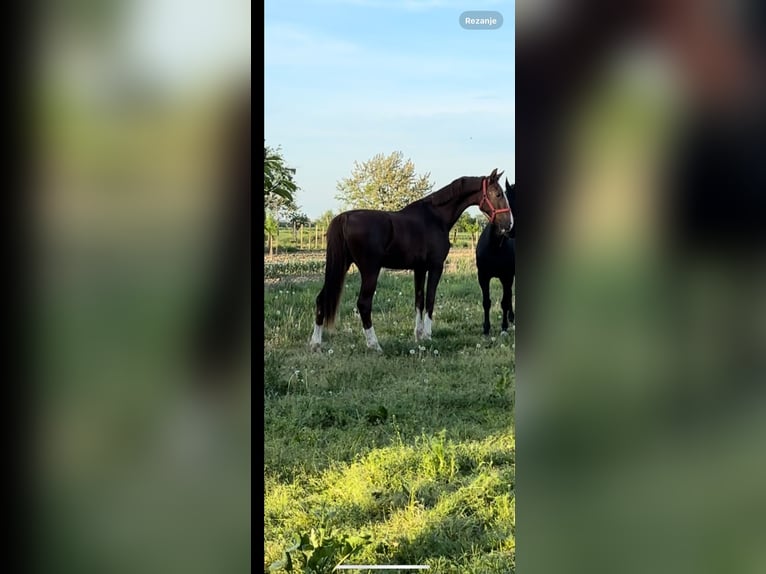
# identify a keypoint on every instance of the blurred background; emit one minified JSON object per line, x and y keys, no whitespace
{"x":641,"y":289}
{"x":140,"y":116}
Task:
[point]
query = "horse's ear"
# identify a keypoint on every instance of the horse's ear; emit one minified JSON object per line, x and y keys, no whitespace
{"x":493,"y":176}
{"x":507,"y":186}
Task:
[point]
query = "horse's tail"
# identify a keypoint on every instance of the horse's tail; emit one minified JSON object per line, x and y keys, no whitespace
{"x":336,"y":267}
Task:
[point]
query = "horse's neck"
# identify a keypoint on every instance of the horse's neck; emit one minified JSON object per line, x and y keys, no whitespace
{"x":451,"y":212}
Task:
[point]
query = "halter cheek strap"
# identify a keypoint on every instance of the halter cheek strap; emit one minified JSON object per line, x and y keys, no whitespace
{"x":485,"y":198}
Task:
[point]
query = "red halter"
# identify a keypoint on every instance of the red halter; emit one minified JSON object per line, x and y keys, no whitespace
{"x":492,"y":211}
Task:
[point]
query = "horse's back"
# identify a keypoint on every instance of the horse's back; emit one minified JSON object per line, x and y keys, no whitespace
{"x":403,"y":239}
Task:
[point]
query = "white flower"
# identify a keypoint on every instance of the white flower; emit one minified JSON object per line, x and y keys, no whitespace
{"x":436,"y":352}
{"x":492,"y":339}
{"x":478,"y":345}
{"x":279,"y":312}
{"x":330,"y":352}
{"x":412,"y":351}
{"x":421,"y":348}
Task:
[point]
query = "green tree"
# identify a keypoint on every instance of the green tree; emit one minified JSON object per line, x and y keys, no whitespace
{"x":298,"y":219}
{"x":383,"y":182}
{"x":324,"y":220}
{"x":278,"y":179}
{"x":467,"y":224}
{"x":270,"y":229}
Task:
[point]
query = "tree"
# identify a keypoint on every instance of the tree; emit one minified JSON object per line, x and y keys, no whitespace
{"x":278,"y":179}
{"x":298,"y":219}
{"x":325,"y":219}
{"x":467,"y":224}
{"x":270,"y":228}
{"x":383,"y":182}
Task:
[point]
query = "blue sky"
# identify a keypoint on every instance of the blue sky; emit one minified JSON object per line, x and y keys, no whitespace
{"x":347,"y":79}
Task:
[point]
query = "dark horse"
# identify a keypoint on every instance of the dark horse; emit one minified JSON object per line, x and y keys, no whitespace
{"x":416,"y":237}
{"x":496,"y":258}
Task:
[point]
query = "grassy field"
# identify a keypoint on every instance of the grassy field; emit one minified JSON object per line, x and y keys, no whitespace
{"x":404,"y":457}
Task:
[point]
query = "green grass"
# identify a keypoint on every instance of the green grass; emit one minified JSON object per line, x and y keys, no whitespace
{"x":413,"y":447}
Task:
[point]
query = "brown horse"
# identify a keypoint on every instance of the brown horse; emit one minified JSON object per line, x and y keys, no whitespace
{"x":416,"y":237}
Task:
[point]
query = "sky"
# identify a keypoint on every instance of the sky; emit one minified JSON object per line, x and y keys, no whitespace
{"x":348,"y":79}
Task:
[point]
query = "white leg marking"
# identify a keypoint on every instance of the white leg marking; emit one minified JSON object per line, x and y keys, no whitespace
{"x":418,"y":325}
{"x":316,"y":338}
{"x":427,"y":324}
{"x":372,"y":340}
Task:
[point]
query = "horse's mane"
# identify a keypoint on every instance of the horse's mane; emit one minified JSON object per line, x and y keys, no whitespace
{"x":448,"y":193}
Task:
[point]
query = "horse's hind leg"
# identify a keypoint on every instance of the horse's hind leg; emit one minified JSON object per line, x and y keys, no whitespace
{"x":484,"y":280}
{"x":364,"y":304}
{"x":316,"y":336}
{"x":420,"y":282}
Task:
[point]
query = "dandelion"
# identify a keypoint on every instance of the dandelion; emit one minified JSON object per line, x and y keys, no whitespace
{"x":297,"y":372}
{"x":330,"y":352}
{"x":492,"y":339}
{"x":400,"y":293}
{"x":421,"y":348}
{"x":436,"y":352}
{"x":279,"y":312}
{"x":478,"y":345}
{"x":353,"y":346}
{"x":502,"y":345}
{"x":412,"y":351}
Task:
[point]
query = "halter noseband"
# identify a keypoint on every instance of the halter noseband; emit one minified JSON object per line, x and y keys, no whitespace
{"x":484,"y":197}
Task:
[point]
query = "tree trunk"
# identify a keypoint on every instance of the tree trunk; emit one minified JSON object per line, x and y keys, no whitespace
{"x":301,"y":242}
{"x":316,"y":237}
{"x":276,"y":242}
{"x":271,"y":246}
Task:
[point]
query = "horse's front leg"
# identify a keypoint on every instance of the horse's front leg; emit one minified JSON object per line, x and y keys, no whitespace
{"x":364,"y":304}
{"x":420,"y":283}
{"x":507,"y":304}
{"x":434,"y":275}
{"x":486,"y":301}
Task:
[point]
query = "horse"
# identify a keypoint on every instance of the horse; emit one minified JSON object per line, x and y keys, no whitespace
{"x":496,"y":258}
{"x":414,"y":238}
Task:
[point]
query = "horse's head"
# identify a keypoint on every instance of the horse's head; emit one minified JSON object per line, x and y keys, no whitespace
{"x":510,"y":193}
{"x":494,"y":203}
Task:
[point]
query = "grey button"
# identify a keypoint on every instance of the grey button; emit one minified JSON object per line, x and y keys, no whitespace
{"x":481,"y":20}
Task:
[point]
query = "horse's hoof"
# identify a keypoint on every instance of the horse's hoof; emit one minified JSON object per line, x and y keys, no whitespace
{"x":375,"y":347}
{"x":315,"y":347}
